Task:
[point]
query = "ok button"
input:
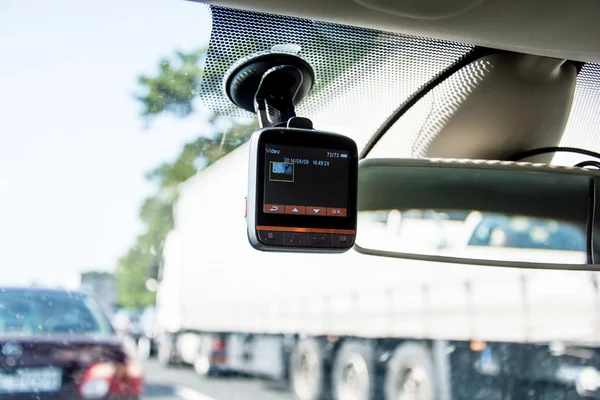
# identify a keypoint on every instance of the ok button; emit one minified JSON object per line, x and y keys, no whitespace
{"x":336,"y":212}
{"x":345,"y":241}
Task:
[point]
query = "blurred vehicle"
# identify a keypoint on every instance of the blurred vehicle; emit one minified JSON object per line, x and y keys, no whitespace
{"x":442,"y":324}
{"x":474,"y":235}
{"x":102,"y":284}
{"x":146,"y":339}
{"x":519,"y":238}
{"x":138,"y":327}
{"x":126,"y":322}
{"x":57,"y":344}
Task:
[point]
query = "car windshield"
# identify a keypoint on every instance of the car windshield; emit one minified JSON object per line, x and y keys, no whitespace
{"x":33,"y":313}
{"x":124,"y":199}
{"x":474,"y":234}
{"x":527,"y":233}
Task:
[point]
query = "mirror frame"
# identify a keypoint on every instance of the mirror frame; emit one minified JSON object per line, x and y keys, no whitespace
{"x":594,"y":212}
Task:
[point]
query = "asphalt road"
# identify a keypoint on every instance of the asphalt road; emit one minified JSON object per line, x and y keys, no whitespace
{"x":180,"y":383}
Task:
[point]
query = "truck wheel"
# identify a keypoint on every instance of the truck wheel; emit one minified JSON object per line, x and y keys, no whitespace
{"x":202,"y":365}
{"x":410,"y":374}
{"x":144,"y":348}
{"x":202,"y":362}
{"x":353,"y":375}
{"x":306,"y":370}
{"x":165,"y":351}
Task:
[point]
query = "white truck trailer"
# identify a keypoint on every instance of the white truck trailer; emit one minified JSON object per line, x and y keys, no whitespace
{"x":360,"y":327}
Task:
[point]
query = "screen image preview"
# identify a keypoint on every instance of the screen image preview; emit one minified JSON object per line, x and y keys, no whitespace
{"x":305,"y":181}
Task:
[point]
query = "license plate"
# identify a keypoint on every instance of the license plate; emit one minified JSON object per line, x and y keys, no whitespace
{"x":31,"y":380}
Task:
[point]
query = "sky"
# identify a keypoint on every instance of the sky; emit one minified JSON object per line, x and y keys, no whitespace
{"x":73,"y":147}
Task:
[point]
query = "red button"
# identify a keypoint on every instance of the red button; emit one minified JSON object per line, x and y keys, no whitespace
{"x":273,"y":209}
{"x":336,"y":212}
{"x":299,"y":210}
{"x":314,"y":210}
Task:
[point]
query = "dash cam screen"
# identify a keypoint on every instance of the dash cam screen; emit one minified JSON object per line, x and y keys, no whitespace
{"x":306,"y":181}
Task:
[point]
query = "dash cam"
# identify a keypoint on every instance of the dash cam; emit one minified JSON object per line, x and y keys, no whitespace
{"x":302,"y":191}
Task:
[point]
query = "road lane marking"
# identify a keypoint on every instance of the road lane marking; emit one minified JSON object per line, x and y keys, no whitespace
{"x":190,"y":394}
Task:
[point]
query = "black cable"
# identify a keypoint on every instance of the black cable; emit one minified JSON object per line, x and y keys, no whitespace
{"x":552,"y":149}
{"x":588,"y":163}
{"x":474,"y":55}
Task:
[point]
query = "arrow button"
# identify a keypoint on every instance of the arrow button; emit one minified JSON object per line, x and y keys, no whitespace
{"x":316,"y":210}
{"x":295,"y":239}
{"x":319,"y":240}
{"x":297,"y":210}
{"x":273,"y":209}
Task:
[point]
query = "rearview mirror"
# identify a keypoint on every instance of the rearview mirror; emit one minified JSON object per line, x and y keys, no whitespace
{"x":479,"y":212}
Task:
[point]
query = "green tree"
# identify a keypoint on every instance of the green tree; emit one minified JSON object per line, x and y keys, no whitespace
{"x":174,"y":90}
{"x":175,"y":86}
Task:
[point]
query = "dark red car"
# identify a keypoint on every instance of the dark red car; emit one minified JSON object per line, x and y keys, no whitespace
{"x":57,"y":344}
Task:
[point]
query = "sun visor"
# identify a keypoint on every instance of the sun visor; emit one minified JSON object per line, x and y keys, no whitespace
{"x":510,"y":103}
{"x":421,"y":9}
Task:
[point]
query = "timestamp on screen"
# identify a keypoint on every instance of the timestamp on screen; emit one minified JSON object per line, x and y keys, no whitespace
{"x":296,"y":160}
{"x":321,"y":163}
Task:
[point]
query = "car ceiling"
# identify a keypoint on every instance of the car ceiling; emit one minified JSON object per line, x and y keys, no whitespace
{"x":566,"y":29}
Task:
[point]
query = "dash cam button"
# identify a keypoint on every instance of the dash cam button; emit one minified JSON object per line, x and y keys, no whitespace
{"x":342,"y":240}
{"x":273,"y":209}
{"x":298,"y":210}
{"x":295,"y":239}
{"x":271,"y":238}
{"x":336,"y":212}
{"x":315,"y":210}
{"x":319,"y":240}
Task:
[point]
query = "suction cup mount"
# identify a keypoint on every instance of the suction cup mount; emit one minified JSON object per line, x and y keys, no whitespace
{"x":270,"y":84}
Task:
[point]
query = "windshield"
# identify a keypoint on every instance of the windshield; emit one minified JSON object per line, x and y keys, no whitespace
{"x":474,"y":234}
{"x":521,"y":232}
{"x":123,"y":174}
{"x":30,"y":313}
